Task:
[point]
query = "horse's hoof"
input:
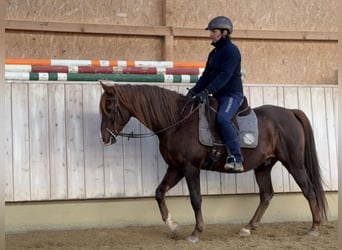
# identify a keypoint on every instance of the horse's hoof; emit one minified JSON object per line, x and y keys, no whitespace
{"x":175,"y":234}
{"x":244,"y":232}
{"x":313,"y":233}
{"x":193,"y":239}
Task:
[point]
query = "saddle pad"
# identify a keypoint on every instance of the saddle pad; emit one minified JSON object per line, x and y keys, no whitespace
{"x":248,"y":130}
{"x":205,"y":136}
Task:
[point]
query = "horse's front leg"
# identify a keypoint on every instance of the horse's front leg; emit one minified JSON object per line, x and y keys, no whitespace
{"x":171,"y":178}
{"x":192,"y":176}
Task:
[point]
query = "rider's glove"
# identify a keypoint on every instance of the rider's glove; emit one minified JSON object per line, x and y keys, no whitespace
{"x":202,"y":97}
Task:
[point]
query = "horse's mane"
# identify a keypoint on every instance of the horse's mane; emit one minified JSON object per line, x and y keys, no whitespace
{"x":152,"y":105}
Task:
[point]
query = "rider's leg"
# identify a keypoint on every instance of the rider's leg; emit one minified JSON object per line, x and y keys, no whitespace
{"x":228,"y":107}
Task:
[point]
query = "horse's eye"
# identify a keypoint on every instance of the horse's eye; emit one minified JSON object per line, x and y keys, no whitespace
{"x":109,"y":110}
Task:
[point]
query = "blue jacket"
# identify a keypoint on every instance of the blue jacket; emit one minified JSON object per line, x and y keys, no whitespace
{"x":222,"y":74}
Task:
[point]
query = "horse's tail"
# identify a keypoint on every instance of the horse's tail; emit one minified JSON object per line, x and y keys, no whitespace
{"x":311,"y":162}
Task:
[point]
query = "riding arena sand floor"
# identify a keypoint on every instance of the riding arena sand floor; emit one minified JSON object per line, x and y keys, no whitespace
{"x":284,"y":235}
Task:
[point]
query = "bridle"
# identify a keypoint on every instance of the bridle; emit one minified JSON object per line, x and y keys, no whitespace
{"x":114,"y":133}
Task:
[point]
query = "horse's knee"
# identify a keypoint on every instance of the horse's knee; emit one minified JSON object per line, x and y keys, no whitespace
{"x":158,"y":195}
{"x":196,"y":202}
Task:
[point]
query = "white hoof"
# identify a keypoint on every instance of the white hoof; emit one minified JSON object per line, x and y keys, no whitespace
{"x":171,"y":223}
{"x":313,"y":233}
{"x":244,"y":232}
{"x":193,"y":239}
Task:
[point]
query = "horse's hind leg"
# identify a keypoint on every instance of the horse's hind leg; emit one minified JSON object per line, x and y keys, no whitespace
{"x":263,"y":179}
{"x":171,"y":178}
{"x":303,"y":181}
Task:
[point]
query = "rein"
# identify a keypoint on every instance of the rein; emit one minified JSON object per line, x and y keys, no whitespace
{"x":130,"y":135}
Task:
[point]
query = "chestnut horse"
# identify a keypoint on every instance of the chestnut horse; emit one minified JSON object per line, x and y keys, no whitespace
{"x":285,"y":135}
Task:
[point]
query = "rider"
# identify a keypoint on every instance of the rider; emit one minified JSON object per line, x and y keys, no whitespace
{"x":222,"y":78}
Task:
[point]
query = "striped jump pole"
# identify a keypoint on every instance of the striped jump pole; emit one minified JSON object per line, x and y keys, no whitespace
{"x":29,"y":76}
{"x":104,"y":63}
{"x":101,"y":69}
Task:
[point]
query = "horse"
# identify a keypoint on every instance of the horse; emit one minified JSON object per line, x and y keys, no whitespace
{"x":285,"y":135}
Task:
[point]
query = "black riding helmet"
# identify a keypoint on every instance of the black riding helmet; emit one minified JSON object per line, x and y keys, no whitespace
{"x":221,"y":23}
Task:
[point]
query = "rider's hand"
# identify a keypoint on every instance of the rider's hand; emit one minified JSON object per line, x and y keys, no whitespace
{"x":202,"y":97}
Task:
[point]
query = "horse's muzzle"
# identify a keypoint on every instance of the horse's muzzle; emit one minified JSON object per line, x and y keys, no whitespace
{"x":112,"y":137}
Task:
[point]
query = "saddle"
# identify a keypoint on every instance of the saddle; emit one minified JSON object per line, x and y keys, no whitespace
{"x":245,"y":122}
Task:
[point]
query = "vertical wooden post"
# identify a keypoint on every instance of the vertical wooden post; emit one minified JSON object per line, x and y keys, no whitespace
{"x":168,"y":48}
{"x":168,"y":43}
{"x":2,"y":131}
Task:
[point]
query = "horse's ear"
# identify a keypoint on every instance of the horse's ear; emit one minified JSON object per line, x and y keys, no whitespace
{"x":104,"y":86}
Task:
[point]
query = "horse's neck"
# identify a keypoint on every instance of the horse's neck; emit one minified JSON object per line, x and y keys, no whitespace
{"x":155,"y":108}
{"x":146,"y":117}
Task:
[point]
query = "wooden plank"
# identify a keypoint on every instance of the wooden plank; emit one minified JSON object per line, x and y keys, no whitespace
{"x":168,"y":48}
{"x":86,"y":28}
{"x":3,"y":116}
{"x":39,"y":142}
{"x":285,"y":35}
{"x":167,"y":11}
{"x":74,"y":138}
{"x":93,"y":149}
{"x":335,"y":170}
{"x":332,"y":137}
{"x":149,"y":163}
{"x":319,"y":111}
{"x":305,"y":101}
{"x":8,"y":145}
{"x":213,"y":183}
{"x":260,"y":34}
{"x":203,"y":183}
{"x":114,"y":169}
{"x":132,"y":161}
{"x":164,"y":31}
{"x":57,"y":147}
{"x":336,"y":107}
{"x":21,"y":146}
{"x":168,"y":43}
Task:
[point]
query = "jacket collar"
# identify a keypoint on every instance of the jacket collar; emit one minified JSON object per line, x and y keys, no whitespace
{"x":220,"y":43}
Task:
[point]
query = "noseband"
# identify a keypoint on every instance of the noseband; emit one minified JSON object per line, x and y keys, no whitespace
{"x":113,"y":134}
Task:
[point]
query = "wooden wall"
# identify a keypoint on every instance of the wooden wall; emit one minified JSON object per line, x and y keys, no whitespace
{"x":280,"y":41}
{"x":53,"y":149}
